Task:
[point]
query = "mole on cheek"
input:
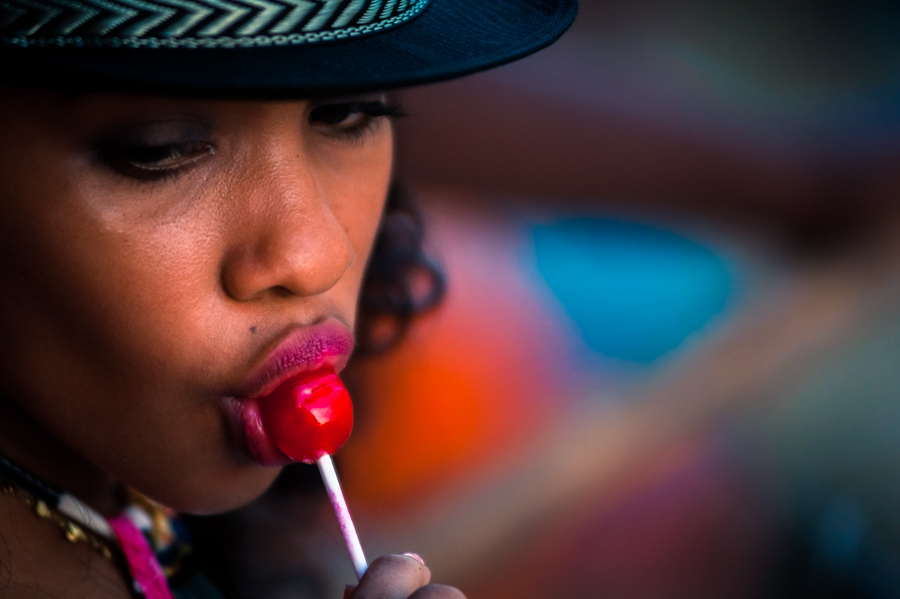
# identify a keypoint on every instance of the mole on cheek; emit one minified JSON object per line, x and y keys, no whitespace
{"x":253,"y":329}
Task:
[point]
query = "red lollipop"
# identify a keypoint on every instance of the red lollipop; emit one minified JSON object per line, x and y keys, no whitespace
{"x":309,"y":415}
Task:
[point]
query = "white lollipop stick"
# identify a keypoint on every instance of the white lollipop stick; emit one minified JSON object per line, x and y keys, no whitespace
{"x":329,"y":476}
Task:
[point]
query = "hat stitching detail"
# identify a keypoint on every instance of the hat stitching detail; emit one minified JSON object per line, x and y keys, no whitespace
{"x":191,"y":14}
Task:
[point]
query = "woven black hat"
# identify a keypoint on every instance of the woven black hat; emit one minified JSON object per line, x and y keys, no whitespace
{"x":266,"y":47}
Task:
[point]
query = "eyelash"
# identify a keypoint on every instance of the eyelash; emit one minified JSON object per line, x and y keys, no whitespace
{"x":154,"y":163}
{"x":168,"y":161}
{"x":331,"y":115}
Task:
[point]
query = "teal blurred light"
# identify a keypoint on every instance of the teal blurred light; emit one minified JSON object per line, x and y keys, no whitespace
{"x":635,"y":292}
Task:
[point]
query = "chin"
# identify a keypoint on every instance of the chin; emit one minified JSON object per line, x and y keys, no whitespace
{"x":216,"y":496}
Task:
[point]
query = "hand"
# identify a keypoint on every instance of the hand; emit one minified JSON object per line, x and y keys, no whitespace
{"x":400,"y":577}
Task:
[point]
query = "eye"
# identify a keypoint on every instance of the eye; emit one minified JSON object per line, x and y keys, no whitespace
{"x":156,"y":150}
{"x":353,"y":119}
{"x":154,"y":162}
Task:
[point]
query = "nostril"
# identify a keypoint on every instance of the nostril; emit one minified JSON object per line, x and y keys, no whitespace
{"x":280,"y":291}
{"x":287,"y":261}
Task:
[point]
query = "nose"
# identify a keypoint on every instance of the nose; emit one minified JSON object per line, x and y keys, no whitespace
{"x":288,"y":239}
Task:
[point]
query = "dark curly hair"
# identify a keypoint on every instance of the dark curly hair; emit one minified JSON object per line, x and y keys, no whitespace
{"x":401,"y":281}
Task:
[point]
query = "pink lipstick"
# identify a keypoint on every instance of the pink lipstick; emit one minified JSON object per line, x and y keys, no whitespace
{"x":303,"y":350}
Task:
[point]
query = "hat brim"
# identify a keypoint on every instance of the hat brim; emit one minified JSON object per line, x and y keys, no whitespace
{"x":449,"y":39}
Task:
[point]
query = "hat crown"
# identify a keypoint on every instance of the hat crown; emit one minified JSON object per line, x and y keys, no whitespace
{"x":196,"y":23}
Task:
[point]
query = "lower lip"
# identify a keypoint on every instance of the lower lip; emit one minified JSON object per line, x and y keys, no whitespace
{"x":257,"y":443}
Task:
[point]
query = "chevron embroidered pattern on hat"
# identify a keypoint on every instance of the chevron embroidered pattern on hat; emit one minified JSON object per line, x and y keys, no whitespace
{"x":196,"y":23}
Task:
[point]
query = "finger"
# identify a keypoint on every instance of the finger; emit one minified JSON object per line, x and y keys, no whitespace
{"x":393,"y":577}
{"x":437,"y":591}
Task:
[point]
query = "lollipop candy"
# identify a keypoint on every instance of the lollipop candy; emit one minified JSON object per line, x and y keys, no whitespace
{"x":309,"y":417}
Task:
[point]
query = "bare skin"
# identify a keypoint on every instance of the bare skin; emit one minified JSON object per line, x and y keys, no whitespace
{"x":153,"y":251}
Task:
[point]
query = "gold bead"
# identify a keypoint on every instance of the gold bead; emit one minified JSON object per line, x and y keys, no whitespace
{"x":41,"y":509}
{"x":74,"y":533}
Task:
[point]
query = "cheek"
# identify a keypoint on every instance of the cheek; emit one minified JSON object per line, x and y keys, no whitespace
{"x":130,"y":330}
{"x":359,"y":183}
{"x":92,"y":287}
{"x":88,"y":300}
{"x":367,"y":194}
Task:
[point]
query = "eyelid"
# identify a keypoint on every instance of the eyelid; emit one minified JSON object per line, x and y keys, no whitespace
{"x":151,"y":163}
{"x":373,"y":104}
{"x":154,"y":149}
{"x":361,"y":98}
{"x":157,"y":132}
{"x":353,"y":119}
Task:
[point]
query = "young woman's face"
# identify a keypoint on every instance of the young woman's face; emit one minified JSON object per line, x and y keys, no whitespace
{"x":162,"y":263}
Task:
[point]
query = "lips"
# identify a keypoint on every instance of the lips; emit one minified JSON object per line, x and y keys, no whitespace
{"x":255,"y":441}
{"x":324,"y":346}
{"x":303,"y":350}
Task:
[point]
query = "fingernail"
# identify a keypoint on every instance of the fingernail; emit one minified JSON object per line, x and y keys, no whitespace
{"x":416,"y":557}
{"x":348,"y":590}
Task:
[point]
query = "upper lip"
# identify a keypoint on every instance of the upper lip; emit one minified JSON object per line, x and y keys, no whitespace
{"x":301,"y":349}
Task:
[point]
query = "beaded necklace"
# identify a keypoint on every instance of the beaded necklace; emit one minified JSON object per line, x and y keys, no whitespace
{"x":118,"y":539}
{"x":79,"y":522}
{"x":73,"y":531}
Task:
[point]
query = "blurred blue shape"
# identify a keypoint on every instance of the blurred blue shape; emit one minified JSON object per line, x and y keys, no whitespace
{"x":840,"y":534}
{"x":635,"y":292}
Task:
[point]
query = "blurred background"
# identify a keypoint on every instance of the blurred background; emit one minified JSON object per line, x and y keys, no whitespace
{"x":667,"y":363}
